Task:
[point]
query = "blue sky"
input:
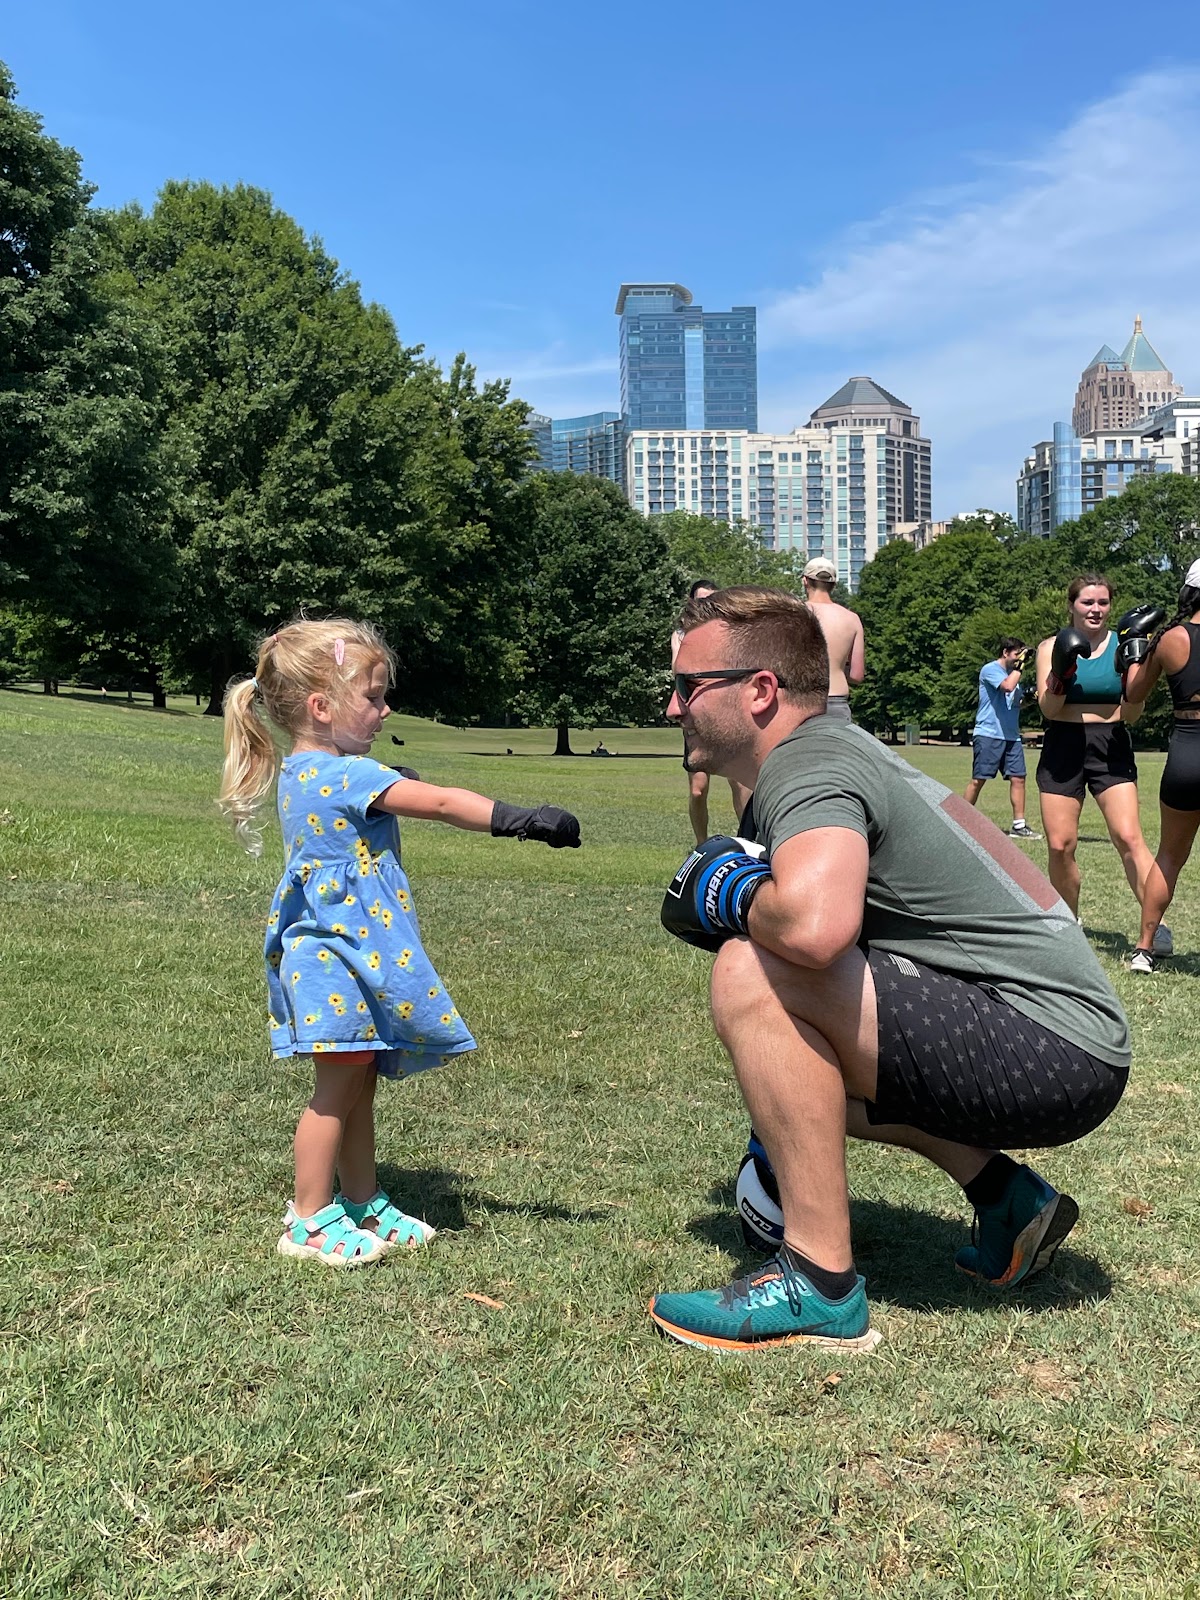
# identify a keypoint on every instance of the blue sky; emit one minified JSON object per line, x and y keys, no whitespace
{"x":963,"y":202}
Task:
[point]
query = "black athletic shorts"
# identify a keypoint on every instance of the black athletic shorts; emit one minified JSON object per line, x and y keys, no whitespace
{"x":1085,"y":755}
{"x":1180,"y":786}
{"x":956,"y":1060}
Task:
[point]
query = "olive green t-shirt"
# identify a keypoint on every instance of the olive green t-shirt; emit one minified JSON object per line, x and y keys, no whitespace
{"x":944,"y":886}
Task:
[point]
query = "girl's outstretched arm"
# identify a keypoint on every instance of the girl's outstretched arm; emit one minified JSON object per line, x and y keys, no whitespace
{"x":463,"y":808}
{"x":429,"y":802}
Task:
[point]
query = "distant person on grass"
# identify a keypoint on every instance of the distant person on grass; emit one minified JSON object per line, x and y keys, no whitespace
{"x":843,"y":632}
{"x":996,"y":737}
{"x":1175,"y":651}
{"x":349,"y":987}
{"x":1086,"y":745}
{"x":892,"y":968}
{"x":698,"y":781}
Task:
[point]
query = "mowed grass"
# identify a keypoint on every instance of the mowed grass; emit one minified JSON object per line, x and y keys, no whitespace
{"x":184,"y":1413}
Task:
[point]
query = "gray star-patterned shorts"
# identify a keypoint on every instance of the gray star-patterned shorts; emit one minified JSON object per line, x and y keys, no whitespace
{"x":956,"y":1060}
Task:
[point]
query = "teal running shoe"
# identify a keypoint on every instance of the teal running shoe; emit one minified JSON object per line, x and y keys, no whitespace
{"x":775,"y":1305}
{"x":1018,"y":1237}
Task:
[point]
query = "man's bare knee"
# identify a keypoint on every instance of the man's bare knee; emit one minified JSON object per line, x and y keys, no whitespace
{"x":738,"y":984}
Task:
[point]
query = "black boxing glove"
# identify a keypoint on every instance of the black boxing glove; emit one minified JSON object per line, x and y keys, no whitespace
{"x":1069,"y":646}
{"x":547,"y":824}
{"x":1133,"y":635}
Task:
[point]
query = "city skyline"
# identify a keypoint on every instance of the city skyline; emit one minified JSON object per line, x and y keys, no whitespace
{"x":973,"y":274}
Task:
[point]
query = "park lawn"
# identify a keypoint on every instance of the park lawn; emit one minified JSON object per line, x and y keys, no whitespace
{"x":184,"y":1413}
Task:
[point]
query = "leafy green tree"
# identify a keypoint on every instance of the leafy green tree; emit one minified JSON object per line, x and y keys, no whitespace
{"x":1144,"y":539}
{"x":81,"y":486}
{"x":910,"y":621}
{"x":317,"y":463}
{"x":600,"y":594}
{"x":728,"y":553}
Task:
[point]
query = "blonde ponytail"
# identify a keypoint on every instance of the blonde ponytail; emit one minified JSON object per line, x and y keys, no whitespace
{"x":251,"y":762}
{"x":303,"y":658}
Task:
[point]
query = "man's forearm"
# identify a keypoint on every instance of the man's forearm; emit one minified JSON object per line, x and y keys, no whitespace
{"x":806,"y":936}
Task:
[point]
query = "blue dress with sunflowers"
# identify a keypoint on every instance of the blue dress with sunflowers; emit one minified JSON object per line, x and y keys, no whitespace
{"x":345,"y":967}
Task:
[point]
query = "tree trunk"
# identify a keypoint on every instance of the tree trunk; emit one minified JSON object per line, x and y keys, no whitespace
{"x":49,"y":686}
{"x":218,"y":677}
{"x":158,"y":696}
{"x":563,"y":745}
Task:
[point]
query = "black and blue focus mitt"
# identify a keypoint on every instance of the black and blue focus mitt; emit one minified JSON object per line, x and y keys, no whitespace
{"x":709,"y":898}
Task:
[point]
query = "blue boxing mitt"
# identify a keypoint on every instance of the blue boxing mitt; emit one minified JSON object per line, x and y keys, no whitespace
{"x":709,"y":898}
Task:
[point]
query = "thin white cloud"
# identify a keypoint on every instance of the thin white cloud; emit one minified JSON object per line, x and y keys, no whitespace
{"x":554,"y":379}
{"x":981,"y":305}
{"x":532,"y":369}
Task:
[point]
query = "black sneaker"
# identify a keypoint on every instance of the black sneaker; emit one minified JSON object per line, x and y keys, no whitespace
{"x":1142,"y":961}
{"x":1022,"y":830}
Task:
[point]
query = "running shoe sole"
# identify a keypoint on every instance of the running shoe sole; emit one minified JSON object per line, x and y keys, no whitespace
{"x":1035,"y":1244}
{"x":704,"y":1341}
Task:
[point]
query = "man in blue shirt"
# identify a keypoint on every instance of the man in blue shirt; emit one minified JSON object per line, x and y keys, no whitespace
{"x":996,"y":739}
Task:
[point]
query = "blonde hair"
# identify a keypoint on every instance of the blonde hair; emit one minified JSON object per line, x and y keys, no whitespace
{"x":303,"y":658}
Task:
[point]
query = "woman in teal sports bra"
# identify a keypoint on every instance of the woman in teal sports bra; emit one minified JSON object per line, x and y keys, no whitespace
{"x":1086,"y":746}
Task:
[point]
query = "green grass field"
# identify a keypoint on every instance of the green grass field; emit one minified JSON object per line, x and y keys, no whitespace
{"x":183,"y":1413}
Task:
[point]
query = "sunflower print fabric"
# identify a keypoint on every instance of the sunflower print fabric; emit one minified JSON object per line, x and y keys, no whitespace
{"x":345,"y":967}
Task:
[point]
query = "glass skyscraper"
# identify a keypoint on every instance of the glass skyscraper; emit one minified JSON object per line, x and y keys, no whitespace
{"x":593,"y":444}
{"x":682,"y":366}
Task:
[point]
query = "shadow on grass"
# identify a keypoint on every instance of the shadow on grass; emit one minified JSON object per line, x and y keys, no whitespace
{"x":1118,"y":946}
{"x":907,"y":1258}
{"x":446,"y":1199}
{"x":92,"y":697}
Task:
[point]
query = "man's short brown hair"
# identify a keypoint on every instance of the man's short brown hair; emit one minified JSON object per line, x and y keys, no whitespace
{"x":773,"y":631}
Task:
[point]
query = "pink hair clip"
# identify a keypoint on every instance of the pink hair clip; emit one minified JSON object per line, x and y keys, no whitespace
{"x":339,"y":651}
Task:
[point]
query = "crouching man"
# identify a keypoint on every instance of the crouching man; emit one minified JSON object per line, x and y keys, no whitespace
{"x":892,"y":968}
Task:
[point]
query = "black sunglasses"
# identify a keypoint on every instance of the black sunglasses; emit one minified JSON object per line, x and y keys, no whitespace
{"x":686,"y":683}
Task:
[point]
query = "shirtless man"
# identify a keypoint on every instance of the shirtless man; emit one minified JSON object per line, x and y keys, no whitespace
{"x":843,"y":635}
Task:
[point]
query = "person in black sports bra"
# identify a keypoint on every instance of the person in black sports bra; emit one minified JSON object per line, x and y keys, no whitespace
{"x":1175,"y":651}
{"x":1086,"y":746}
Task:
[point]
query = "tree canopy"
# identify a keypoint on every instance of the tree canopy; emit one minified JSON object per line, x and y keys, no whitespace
{"x":600,"y":592}
{"x":727,"y":553}
{"x":317,"y":462}
{"x":82,"y":542}
{"x":932,"y":617}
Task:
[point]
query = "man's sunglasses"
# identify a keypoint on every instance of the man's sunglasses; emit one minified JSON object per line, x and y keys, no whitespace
{"x":686,"y":683}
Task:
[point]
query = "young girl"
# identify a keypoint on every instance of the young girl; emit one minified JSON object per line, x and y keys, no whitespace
{"x":348,"y":982}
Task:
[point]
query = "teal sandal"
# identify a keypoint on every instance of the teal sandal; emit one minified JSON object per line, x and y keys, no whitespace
{"x":357,"y":1247}
{"x":394,"y":1228}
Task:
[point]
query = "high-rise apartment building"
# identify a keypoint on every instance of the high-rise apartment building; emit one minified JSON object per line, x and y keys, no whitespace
{"x":1130,"y":419}
{"x":542,"y":430}
{"x":836,"y":487}
{"x":904,"y":490}
{"x":1116,"y":391}
{"x":593,"y":444}
{"x":1069,"y":475}
{"x":682,"y":366}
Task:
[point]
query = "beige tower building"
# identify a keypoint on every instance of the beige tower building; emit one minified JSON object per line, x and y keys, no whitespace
{"x":1117,"y":391}
{"x":836,"y":488}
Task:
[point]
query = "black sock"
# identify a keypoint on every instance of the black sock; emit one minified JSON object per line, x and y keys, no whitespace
{"x":833,"y":1285}
{"x":988,"y":1188}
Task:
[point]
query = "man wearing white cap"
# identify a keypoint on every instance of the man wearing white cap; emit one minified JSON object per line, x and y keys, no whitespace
{"x":843,"y":632}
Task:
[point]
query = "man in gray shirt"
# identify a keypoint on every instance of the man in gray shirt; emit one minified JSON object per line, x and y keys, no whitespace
{"x":892,"y":968}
